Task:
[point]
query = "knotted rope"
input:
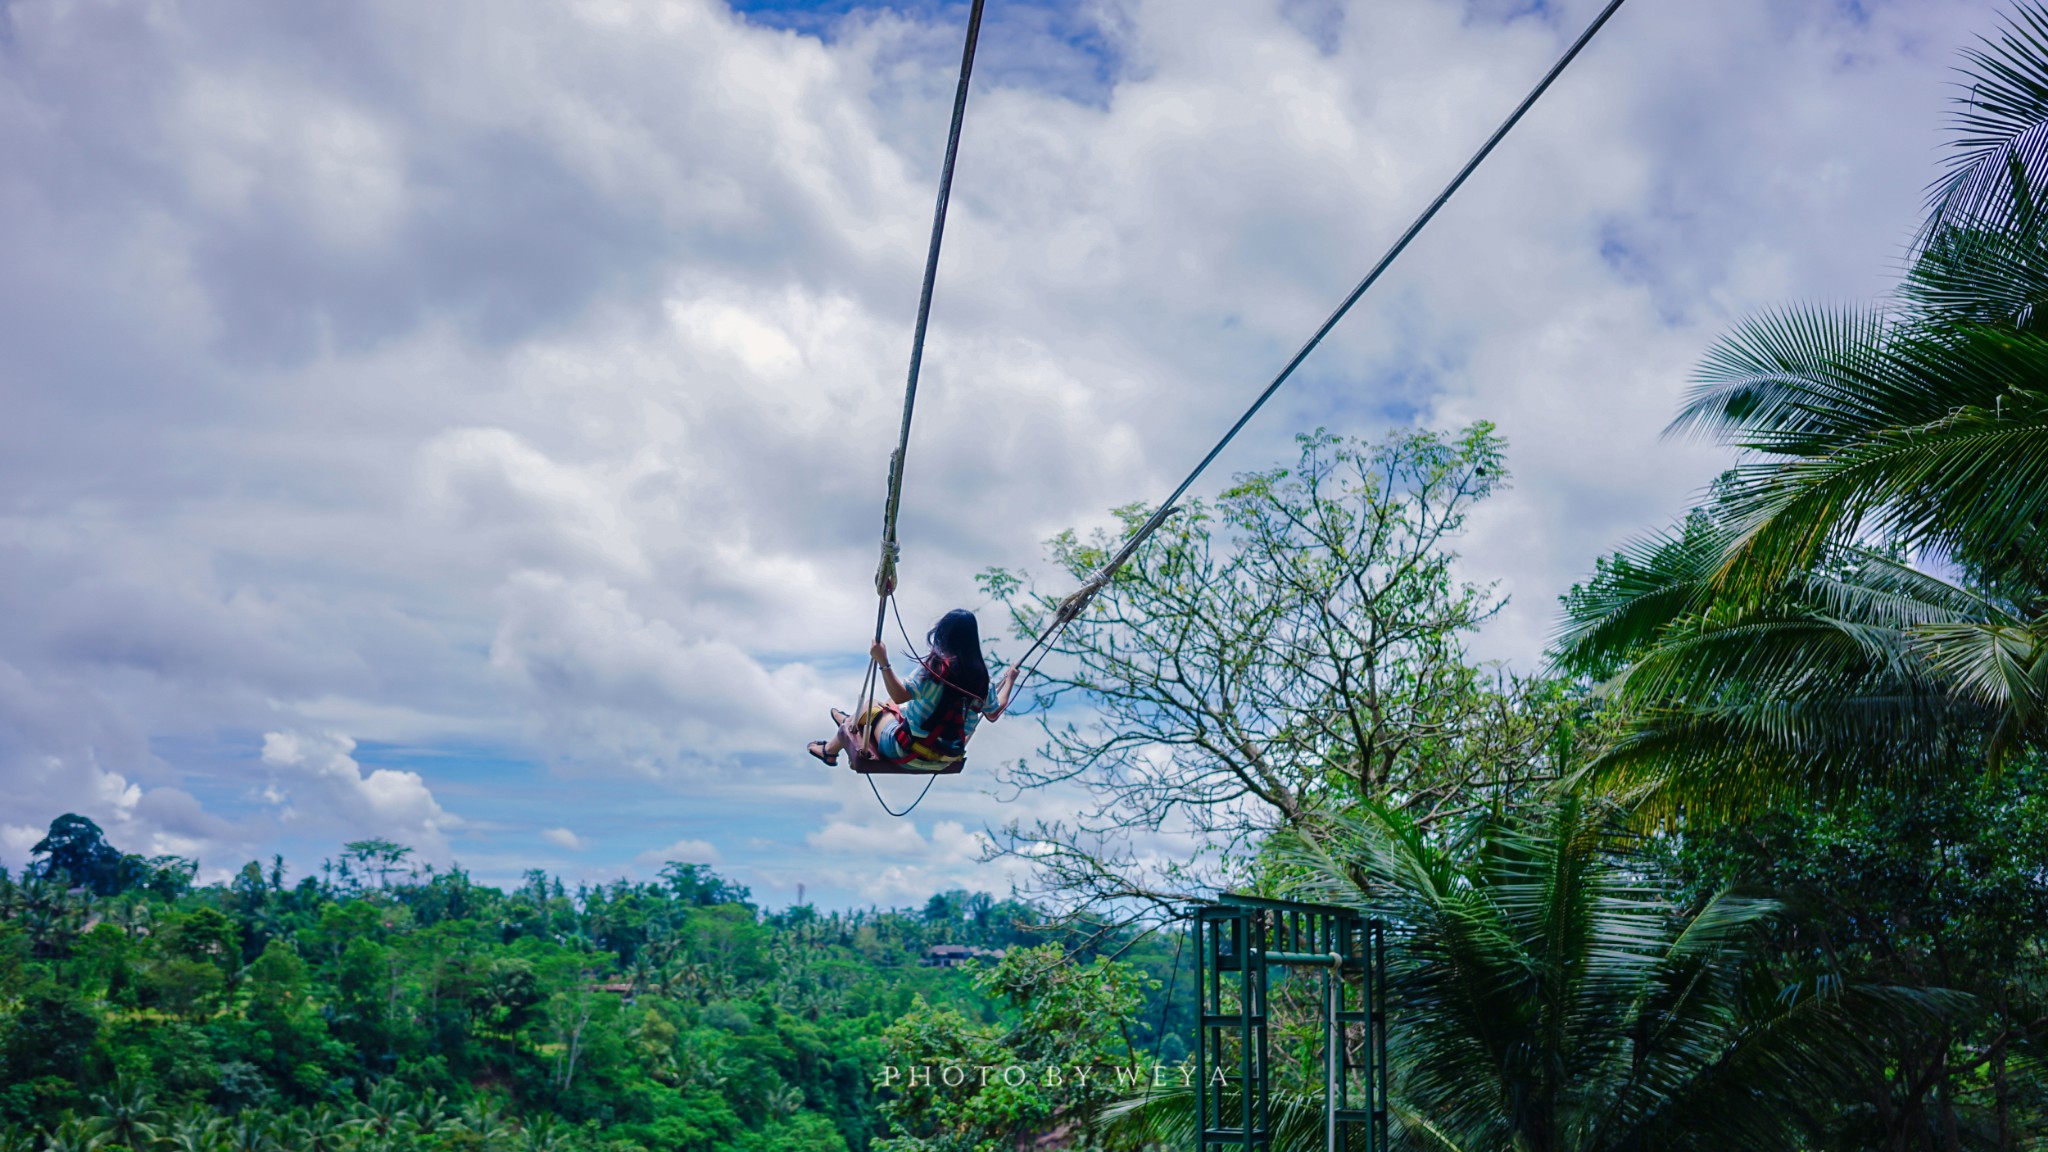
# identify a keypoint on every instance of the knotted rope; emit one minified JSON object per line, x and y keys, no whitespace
{"x":885,"y":570}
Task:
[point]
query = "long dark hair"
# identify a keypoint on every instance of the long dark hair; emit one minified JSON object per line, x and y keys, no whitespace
{"x":955,"y":658}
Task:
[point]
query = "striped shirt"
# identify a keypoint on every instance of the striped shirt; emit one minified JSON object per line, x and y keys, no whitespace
{"x":926,"y":691}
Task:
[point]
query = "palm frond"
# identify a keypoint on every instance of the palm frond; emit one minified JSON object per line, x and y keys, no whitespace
{"x":1973,"y":484}
{"x":1877,"y":589}
{"x":1999,"y":665}
{"x":1795,"y":375}
{"x":1796,"y":657}
{"x":1636,"y":595}
{"x":1167,"y":1116}
{"x":1814,"y":1038}
{"x":2001,"y":142}
{"x":1996,"y":277}
{"x":1746,"y":755}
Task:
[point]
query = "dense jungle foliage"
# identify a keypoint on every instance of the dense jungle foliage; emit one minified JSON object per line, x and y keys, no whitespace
{"x":386,"y":1006}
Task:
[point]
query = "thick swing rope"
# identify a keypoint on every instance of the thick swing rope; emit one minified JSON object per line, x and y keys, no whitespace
{"x":1073,"y":605}
{"x":885,"y":571}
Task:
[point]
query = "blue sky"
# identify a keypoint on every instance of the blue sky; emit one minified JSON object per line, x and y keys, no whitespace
{"x":464,"y":423}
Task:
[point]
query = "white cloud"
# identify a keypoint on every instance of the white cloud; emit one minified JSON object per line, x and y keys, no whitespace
{"x":490,"y":482}
{"x":872,"y":839}
{"x":563,"y":838}
{"x":252,"y":143}
{"x":16,"y":841}
{"x":682,"y":851}
{"x":66,"y":747}
{"x":321,"y":782}
{"x":898,"y":862}
{"x":604,"y":678}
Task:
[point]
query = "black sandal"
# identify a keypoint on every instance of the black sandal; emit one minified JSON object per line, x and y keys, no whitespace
{"x":817,"y":749}
{"x":841,"y":719}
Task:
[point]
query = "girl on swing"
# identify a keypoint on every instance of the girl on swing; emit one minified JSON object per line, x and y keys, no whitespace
{"x":929,"y":720}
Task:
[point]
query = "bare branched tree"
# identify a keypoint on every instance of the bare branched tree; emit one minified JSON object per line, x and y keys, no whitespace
{"x":1269,"y":660}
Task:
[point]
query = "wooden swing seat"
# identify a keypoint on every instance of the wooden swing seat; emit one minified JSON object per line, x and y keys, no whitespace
{"x":869,"y":766}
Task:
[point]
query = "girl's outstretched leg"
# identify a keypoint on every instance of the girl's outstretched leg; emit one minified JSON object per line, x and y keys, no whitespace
{"x":844,"y":736}
{"x":842,"y":739}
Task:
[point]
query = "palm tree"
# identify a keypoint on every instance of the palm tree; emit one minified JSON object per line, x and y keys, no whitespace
{"x":544,"y":1134}
{"x":74,"y":1135}
{"x":785,"y":1101}
{"x":323,"y":1129}
{"x":1545,"y":997}
{"x":49,"y":912}
{"x":384,"y":1115}
{"x":127,"y":1115}
{"x":429,"y":1113}
{"x":1868,"y":588}
{"x":251,"y":1131}
{"x":194,"y":1131}
{"x":484,"y":1118}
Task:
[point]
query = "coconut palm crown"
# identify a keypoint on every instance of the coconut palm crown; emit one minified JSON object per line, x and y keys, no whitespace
{"x":1866,"y":591}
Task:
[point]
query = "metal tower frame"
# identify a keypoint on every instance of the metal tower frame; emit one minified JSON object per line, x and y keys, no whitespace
{"x":1238,"y":941}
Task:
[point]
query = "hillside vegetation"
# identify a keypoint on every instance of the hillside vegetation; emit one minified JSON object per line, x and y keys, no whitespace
{"x":387,"y":1006}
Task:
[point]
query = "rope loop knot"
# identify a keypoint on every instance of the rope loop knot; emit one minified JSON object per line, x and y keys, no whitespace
{"x":885,"y":572}
{"x":1074,"y":605}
